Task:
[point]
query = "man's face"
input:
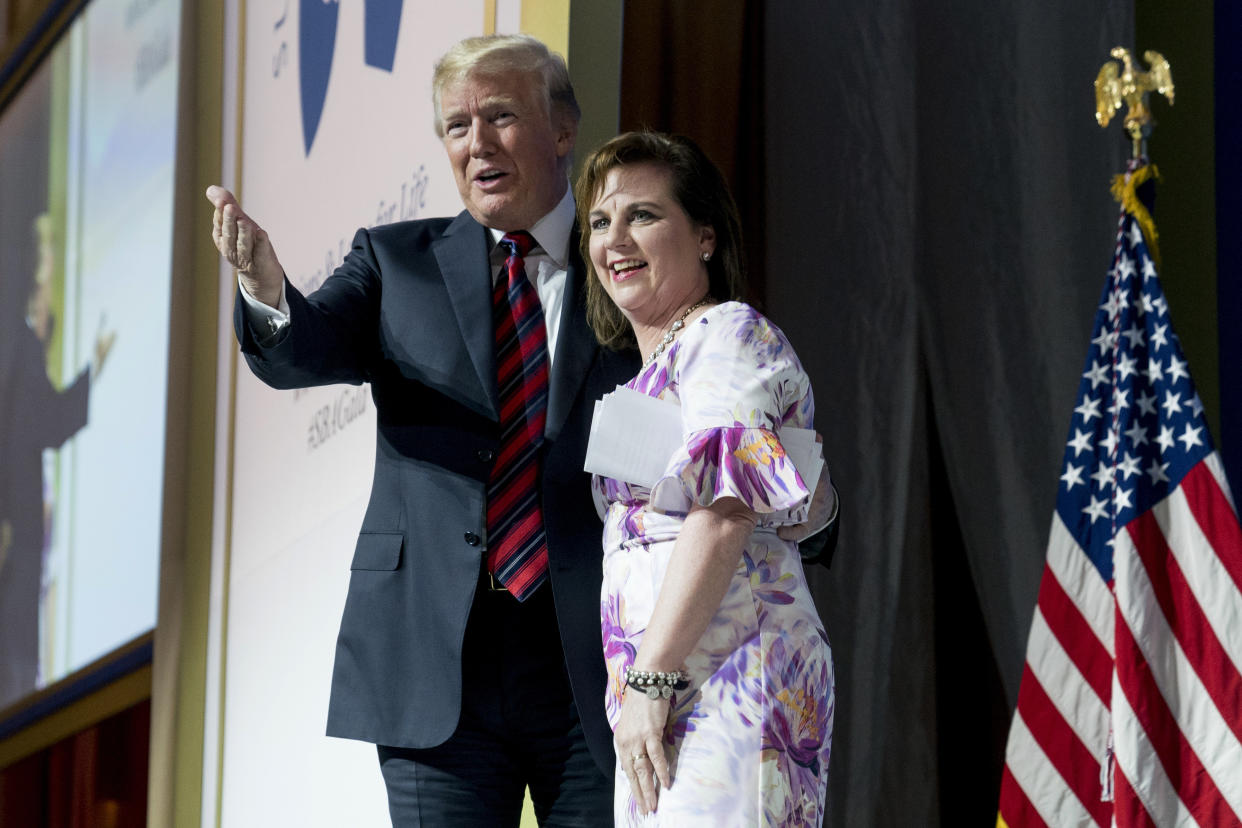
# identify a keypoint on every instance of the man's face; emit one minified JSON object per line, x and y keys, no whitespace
{"x":506,"y":154}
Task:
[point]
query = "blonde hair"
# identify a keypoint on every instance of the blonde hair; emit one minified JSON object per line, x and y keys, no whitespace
{"x":507,"y":54}
{"x":697,"y":186}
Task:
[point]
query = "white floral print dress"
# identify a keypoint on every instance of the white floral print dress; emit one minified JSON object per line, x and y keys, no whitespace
{"x":751,"y":737}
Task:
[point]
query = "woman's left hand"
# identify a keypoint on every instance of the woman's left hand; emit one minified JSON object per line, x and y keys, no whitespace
{"x":640,"y":746}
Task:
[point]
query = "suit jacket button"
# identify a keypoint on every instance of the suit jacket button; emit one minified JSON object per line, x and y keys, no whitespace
{"x":486,"y":455}
{"x":472,"y":539}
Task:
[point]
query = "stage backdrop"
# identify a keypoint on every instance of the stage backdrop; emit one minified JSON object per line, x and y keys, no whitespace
{"x":336,"y":133}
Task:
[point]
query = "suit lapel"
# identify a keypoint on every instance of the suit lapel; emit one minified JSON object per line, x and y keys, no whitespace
{"x":575,"y":346}
{"x":462,"y":253}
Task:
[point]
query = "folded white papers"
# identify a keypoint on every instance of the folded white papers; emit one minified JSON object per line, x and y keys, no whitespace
{"x":633,"y":436}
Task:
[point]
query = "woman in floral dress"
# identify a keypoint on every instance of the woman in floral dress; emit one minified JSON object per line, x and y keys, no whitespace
{"x":699,"y":590}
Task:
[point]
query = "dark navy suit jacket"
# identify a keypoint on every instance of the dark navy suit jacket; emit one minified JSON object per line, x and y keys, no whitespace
{"x":409,"y":311}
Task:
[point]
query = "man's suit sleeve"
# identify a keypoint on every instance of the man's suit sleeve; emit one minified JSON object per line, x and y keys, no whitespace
{"x":332,"y":333}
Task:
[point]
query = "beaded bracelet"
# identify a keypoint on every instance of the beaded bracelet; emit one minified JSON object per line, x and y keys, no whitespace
{"x":655,"y":684}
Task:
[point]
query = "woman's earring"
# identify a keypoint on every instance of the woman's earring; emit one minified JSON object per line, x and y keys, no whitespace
{"x":706,"y":256}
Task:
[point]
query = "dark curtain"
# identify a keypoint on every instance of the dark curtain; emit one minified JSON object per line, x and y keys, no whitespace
{"x":695,"y":67}
{"x":940,"y":167}
{"x":1228,"y":124}
{"x":934,"y":229}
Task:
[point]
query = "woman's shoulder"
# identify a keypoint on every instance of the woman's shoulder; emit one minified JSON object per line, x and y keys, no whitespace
{"x":741,"y":323}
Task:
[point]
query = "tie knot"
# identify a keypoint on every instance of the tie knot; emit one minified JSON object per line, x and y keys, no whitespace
{"x":519,"y":243}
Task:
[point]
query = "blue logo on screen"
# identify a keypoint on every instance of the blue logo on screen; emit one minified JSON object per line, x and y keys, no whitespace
{"x":317,"y":44}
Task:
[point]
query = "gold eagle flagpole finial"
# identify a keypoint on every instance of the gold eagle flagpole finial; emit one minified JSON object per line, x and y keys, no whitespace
{"x":1127,"y":84}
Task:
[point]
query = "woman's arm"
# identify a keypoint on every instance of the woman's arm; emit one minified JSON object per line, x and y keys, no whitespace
{"x":702,"y":563}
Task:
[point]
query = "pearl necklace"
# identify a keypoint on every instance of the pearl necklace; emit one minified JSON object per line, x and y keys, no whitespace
{"x":674,"y":328}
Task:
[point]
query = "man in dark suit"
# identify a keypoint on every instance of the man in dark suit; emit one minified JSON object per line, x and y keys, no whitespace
{"x":471,"y":694}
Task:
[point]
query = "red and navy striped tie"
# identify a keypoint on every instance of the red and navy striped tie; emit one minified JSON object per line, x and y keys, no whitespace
{"x":517,"y":550}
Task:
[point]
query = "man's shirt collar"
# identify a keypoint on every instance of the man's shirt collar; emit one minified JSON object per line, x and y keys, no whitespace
{"x":551,"y":232}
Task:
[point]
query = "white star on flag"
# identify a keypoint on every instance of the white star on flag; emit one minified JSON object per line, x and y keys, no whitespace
{"x":1137,"y":434}
{"x":1158,"y":337}
{"x":1125,"y":366}
{"x":1090,"y":408}
{"x":1081,"y":442}
{"x":1096,"y":509}
{"x":1128,"y":466}
{"x":1121,"y":399}
{"x":1105,"y":340}
{"x":1166,"y":439}
{"x":1190,"y":437}
{"x":1157,"y":472}
{"x":1111,"y":439}
{"x":1098,"y":374}
{"x":1177,"y":369}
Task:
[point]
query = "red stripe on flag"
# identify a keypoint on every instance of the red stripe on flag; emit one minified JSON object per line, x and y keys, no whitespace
{"x":1015,"y":808}
{"x":1216,"y":518}
{"x":1076,"y":636}
{"x":1073,"y":761}
{"x":1127,"y":807}
{"x":1188,"y":621}
{"x":1194,"y":785}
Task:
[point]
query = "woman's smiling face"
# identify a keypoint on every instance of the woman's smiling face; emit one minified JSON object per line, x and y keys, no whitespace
{"x":647,"y":253}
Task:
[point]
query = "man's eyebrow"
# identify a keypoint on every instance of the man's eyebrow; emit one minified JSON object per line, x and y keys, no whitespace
{"x":498,"y":101}
{"x":486,"y":105}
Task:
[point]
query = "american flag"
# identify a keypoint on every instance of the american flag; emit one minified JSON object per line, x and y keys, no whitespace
{"x":1130,"y":707}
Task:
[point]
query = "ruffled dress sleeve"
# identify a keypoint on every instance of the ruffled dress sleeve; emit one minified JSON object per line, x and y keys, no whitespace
{"x":738,"y":382}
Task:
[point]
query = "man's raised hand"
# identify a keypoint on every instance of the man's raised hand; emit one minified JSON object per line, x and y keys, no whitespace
{"x":246,"y":247}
